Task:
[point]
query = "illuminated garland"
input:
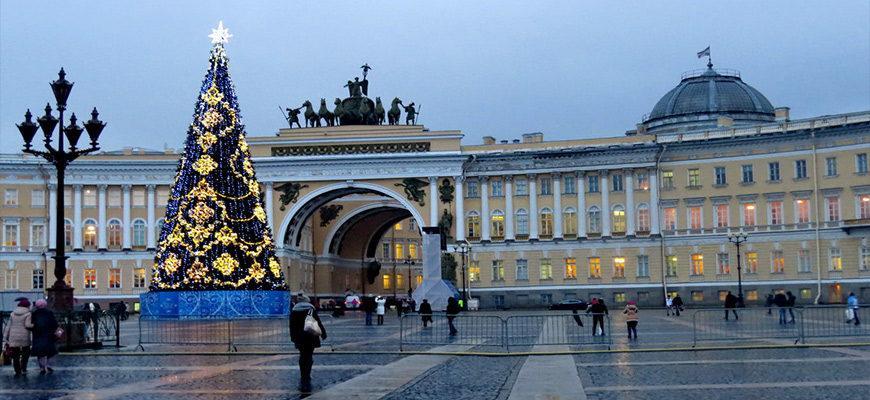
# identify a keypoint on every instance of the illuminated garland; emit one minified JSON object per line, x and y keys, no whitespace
{"x":215,"y":235}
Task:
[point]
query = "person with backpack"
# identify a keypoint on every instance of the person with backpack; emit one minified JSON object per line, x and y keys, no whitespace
{"x":631,"y":318}
{"x":306,"y":331}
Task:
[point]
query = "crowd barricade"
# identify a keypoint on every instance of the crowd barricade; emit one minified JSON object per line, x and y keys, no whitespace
{"x":750,"y":324}
{"x":557,"y":329}
{"x":831,"y":321}
{"x":475,"y":330}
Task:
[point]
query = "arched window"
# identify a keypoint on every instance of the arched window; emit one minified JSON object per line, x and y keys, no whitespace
{"x":472,"y":223}
{"x":138,"y":233}
{"x":618,"y":213}
{"x":643,"y":223}
{"x":113,"y":233}
{"x":89,"y":229}
{"x":497,"y":219}
{"x":67,"y":233}
{"x":522,"y":222}
{"x":569,"y":221}
{"x":546,"y":222}
{"x":594,"y":219}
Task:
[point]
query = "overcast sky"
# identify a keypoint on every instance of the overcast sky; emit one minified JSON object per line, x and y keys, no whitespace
{"x":500,"y":68}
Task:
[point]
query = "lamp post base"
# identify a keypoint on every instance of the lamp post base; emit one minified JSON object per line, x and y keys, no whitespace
{"x":60,"y":299}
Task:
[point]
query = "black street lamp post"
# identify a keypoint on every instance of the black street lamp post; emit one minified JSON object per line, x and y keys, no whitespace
{"x":738,"y":238}
{"x":463,"y":248}
{"x":60,"y":295}
{"x":409,"y":263}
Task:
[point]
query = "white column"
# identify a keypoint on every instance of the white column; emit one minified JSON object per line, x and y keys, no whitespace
{"x":581,"y":205}
{"x":77,"y":217}
{"x":52,"y":216}
{"x":533,"y":207}
{"x":629,"y":203}
{"x":125,"y":223}
{"x":557,"y":206}
{"x":268,"y":205}
{"x":433,"y":201}
{"x":459,"y":219}
{"x":101,"y":217}
{"x":484,"y":209}
{"x":654,"y":202}
{"x":509,"y":208}
{"x":151,"y":203}
{"x":605,"y":204}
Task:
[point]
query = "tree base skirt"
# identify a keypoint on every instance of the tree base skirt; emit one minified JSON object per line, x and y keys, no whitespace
{"x":215,"y":304}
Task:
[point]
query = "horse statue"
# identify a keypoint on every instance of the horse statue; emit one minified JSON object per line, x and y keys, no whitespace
{"x":338,"y":112}
{"x":394,"y":112}
{"x":414,"y":191}
{"x":311,"y":117}
{"x":379,"y":111}
{"x":324,"y":113}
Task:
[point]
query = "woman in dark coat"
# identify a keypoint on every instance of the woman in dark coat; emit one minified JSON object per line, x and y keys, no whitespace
{"x":304,"y":341}
{"x":44,"y":328}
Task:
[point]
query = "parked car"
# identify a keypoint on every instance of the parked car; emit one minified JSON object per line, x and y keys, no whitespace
{"x":569,"y":304}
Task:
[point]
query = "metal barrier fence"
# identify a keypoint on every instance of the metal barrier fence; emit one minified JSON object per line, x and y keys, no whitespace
{"x":83,"y":329}
{"x":561,"y":329}
{"x":830,"y":321}
{"x":749,"y":324}
{"x":478,"y":330}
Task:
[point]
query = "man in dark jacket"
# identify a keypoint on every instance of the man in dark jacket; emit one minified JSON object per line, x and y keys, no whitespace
{"x":731,"y":304}
{"x":452,"y":310}
{"x":782,"y":302}
{"x":678,"y":304}
{"x":368,"y":306}
{"x":426,"y":312}
{"x":790,"y":301}
{"x":305,"y":342}
{"x":598,"y":311}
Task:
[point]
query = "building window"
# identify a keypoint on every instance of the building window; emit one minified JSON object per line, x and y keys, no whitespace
{"x":804,"y":263}
{"x":400,"y":281}
{"x":752,"y":262}
{"x":67,"y":196}
{"x":162,"y":197}
{"x":546,"y":186}
{"x":697,"y":264}
{"x":747,"y":173}
{"x":522,"y":187}
{"x":471,"y":189}
{"x":777,"y":262}
{"x":695,"y":218}
{"x":594,"y":267}
{"x":697,"y":296}
{"x":721,"y":178}
{"x":67,"y":234}
{"x":619,"y":297}
{"x":806,"y":294}
{"x":802,"y":207}
{"x":643,"y":220}
{"x":90,"y":234}
{"x":522,"y":222}
{"x":546,"y":298}
{"x":37,"y":198}
{"x":667,"y":179}
{"x":90,"y":278}
{"x":723,"y":263}
{"x":138,"y":197}
{"x":388,"y":281}
{"x":11,"y":279}
{"x":113,"y":231}
{"x":386,"y":250}
{"x":400,"y":251}
{"x":752,"y":295}
{"x":694,"y":177}
{"x":836,"y":259}
{"x":722,"y":216}
{"x":397,"y":226}
{"x":497,"y":188}
{"x":546,"y":269}
{"x":642,"y":181}
{"x":497,"y":270}
{"x":775,"y":208}
{"x":10,"y":199}
{"x":617,"y":183}
{"x":618,"y":219}
{"x":569,"y":221}
{"x":800,"y":169}
{"x":864,"y":207}
{"x":593,"y":183}
{"x":749,"y":214}
{"x":670,"y":217}
{"x":472,"y":222}
{"x":38,"y":281}
{"x":643,"y":266}
{"x":594,"y":217}
{"x":474,"y":271}
{"x":114,"y":278}
{"x":89,"y":197}
{"x":114,"y":197}
{"x":571,"y":268}
{"x":497,"y":223}
{"x":865,"y":258}
{"x":773,"y":172}
{"x":671,"y":265}
{"x":139,"y":233}
{"x":569,"y":185}
{"x":722,"y":295}
{"x":619,"y":267}
{"x":138,"y":278}
{"x":861,"y":163}
{"x":10,"y":234}
{"x":412,"y":251}
{"x":522,"y":270}
{"x":833,"y":208}
{"x":37,"y":235}
{"x":831,"y":166}
{"x":546,"y":222}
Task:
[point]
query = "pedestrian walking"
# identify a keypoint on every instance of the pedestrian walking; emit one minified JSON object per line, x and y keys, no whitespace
{"x":731,"y":305}
{"x":852,"y":305}
{"x":452,"y":311}
{"x":781,"y":302}
{"x":426,"y":312}
{"x":598,"y":311}
{"x":631,"y":318}
{"x":45,"y":335}
{"x":17,"y":337}
{"x":678,"y":304}
{"x":790,"y":300}
{"x":381,"y":309}
{"x":768,"y":302}
{"x":669,"y":305}
{"x":577,"y":319}
{"x":305,"y":336}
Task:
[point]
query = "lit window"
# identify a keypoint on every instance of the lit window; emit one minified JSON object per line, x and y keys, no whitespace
{"x":806,"y":294}
{"x":836,"y":259}
{"x":697,"y":296}
{"x":400,"y":251}
{"x":694,"y":177}
{"x":722,"y":216}
{"x":10,"y":198}
{"x":803,"y":211}
{"x":642,"y":182}
{"x":497,"y":221}
{"x":697,"y":264}
{"x":400,"y":281}
{"x":695,"y":218}
{"x":497,"y":270}
{"x":412,"y":250}
{"x":10,"y":235}
{"x":388,"y":281}
{"x":113,"y":231}
{"x":474,"y":271}
{"x":618,"y":219}
{"x":752,"y":295}
{"x":594,"y":267}
{"x":864,"y":207}
{"x":749,"y":214}
{"x":777,"y":262}
{"x":723,"y":263}
{"x":90,"y":234}
{"x":671,"y":265}
{"x":670,"y":216}
{"x":619,"y":267}
{"x":619,"y":297}
{"x":114,"y":278}
{"x":397,"y":226}
{"x":643,"y":218}
{"x":419,"y":281}
{"x":775,"y":208}
{"x":833,"y":208}
{"x":90,"y":278}
{"x":546,"y":222}
{"x":546,"y":269}
{"x":752,"y":262}
{"x":139,"y":277}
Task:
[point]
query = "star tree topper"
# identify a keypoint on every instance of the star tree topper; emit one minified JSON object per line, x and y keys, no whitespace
{"x":220,"y":35}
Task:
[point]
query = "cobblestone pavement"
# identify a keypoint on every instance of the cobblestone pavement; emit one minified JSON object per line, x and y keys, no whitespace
{"x":272,"y":373}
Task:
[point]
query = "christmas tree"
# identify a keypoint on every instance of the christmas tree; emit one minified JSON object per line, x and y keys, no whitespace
{"x":216,"y":236}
